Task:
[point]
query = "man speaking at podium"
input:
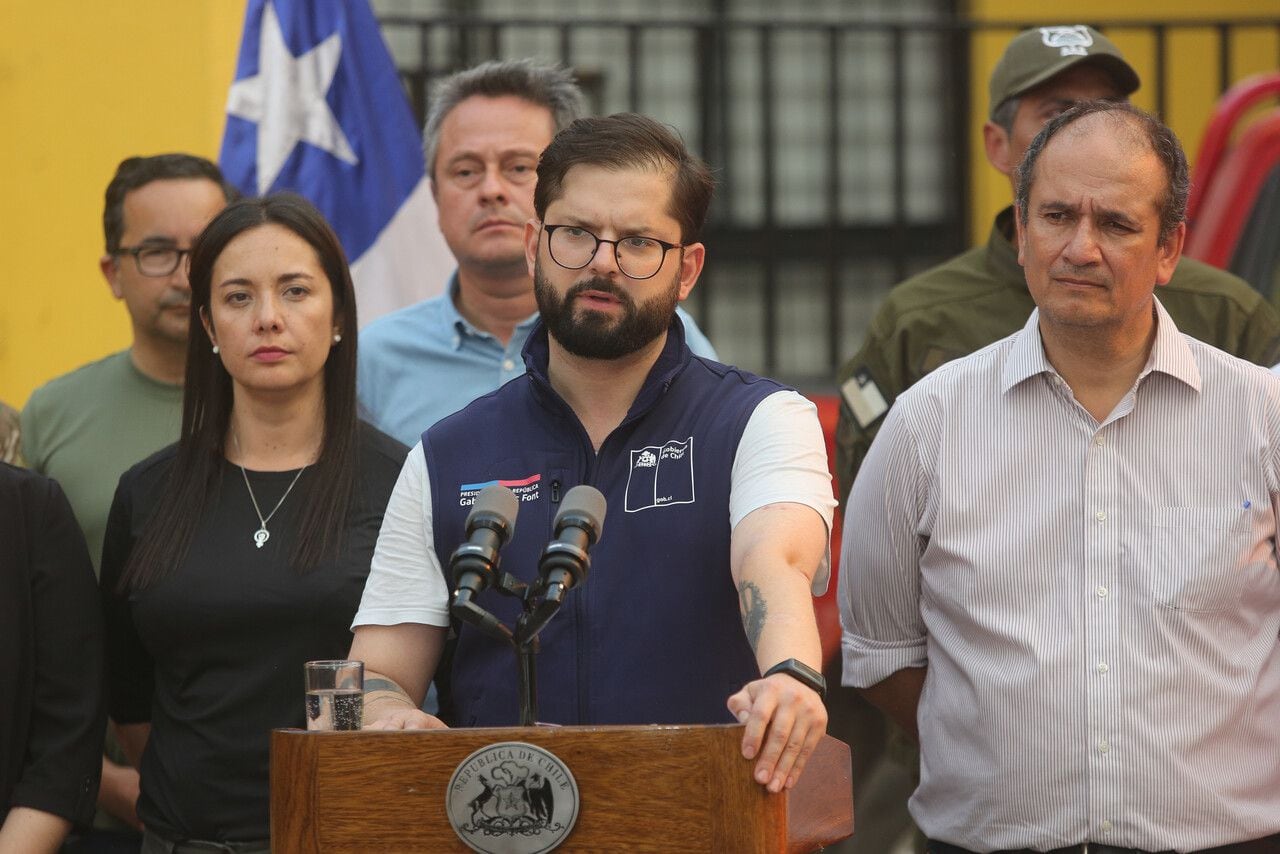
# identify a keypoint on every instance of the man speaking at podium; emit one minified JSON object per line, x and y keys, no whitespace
{"x":716,"y":480}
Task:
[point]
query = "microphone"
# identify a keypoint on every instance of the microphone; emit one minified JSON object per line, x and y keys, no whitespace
{"x":578,"y":525}
{"x":564,"y":562}
{"x":490,"y":524}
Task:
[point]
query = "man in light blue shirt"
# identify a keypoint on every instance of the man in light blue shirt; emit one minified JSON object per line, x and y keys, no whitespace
{"x":484,"y":133}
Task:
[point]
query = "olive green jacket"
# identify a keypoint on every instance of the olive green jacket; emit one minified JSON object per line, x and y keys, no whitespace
{"x":980,"y":297}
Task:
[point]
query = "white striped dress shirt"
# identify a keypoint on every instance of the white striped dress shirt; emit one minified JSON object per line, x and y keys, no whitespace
{"x":1098,"y":604}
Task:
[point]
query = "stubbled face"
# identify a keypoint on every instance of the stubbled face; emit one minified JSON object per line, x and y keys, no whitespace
{"x":271,"y":312}
{"x":483,"y":180}
{"x":597,"y":311}
{"x":1091,"y":247}
{"x":163,"y":213}
{"x":1037,"y":106}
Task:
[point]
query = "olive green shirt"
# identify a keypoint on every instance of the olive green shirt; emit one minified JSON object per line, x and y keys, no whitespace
{"x":980,"y":297}
{"x":85,"y":428}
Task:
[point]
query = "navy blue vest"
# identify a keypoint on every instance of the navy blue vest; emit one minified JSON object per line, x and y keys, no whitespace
{"x":654,"y":634}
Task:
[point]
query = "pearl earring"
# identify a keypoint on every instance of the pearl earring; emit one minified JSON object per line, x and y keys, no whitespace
{"x":216,"y":351}
{"x":336,"y":338}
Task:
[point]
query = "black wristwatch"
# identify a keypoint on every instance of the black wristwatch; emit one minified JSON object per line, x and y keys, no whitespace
{"x":797,"y":669}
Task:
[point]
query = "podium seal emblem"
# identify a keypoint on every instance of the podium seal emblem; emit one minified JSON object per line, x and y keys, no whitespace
{"x":512,"y":798}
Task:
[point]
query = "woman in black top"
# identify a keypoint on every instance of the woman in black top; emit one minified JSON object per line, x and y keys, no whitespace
{"x":241,"y":552}
{"x":51,"y":714}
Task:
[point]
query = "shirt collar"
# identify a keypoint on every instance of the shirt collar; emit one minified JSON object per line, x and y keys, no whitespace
{"x":1026,"y":356}
{"x":1169,"y":354}
{"x":461,"y":326}
{"x":148,"y":380}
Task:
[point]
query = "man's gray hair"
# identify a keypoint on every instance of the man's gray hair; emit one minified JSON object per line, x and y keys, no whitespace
{"x":1160,"y":140}
{"x":1004,"y":114}
{"x":545,"y":85}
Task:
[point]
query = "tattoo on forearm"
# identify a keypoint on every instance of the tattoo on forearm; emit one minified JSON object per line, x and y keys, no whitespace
{"x":754,"y":611}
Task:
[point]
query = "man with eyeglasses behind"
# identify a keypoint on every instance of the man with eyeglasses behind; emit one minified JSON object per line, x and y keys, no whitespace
{"x":485,"y":129}
{"x":85,"y":428}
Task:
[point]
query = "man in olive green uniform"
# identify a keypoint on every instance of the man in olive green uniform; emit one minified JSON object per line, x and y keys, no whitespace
{"x":978,"y":298}
{"x":981,"y":296}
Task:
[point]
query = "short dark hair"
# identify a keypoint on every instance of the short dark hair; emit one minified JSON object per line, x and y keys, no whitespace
{"x":207,"y":400}
{"x":627,"y":140}
{"x":135,"y":172}
{"x":1162,"y":142}
{"x":543,"y":85}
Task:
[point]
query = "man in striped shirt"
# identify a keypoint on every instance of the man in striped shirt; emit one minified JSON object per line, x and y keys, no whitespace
{"x":1060,"y":555}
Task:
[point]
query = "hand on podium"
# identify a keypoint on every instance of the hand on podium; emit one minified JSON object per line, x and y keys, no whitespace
{"x":388,"y":706}
{"x":405,"y":718}
{"x":788,"y":718}
{"x":775,"y":555}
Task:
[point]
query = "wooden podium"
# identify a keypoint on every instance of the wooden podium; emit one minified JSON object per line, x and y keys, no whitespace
{"x":642,"y":788}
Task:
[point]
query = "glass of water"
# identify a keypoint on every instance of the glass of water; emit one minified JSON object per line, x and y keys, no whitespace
{"x":335,"y":694}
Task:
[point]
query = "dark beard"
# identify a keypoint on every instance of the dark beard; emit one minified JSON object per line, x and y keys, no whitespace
{"x":591,"y":334}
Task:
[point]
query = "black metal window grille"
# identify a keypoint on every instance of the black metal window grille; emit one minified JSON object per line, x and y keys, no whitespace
{"x":841,"y":147}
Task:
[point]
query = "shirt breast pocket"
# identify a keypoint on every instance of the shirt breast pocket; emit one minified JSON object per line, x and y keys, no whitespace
{"x":1199,"y":557}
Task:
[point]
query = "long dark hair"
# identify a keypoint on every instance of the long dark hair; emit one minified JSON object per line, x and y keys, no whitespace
{"x":207,"y":400}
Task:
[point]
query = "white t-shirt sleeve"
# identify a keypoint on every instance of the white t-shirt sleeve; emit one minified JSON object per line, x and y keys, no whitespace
{"x":406,"y":581}
{"x":782,"y":458}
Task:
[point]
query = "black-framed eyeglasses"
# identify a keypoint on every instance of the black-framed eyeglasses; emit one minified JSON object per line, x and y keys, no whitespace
{"x":638,"y":257}
{"x":155,"y":260}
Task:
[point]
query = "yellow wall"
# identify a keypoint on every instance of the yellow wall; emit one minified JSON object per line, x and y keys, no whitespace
{"x":1191,"y":68}
{"x":84,"y":84}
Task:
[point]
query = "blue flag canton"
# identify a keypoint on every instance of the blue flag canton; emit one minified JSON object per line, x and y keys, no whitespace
{"x":370,"y":105}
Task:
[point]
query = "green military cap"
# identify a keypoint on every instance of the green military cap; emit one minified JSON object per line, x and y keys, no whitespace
{"x":1037,"y":54}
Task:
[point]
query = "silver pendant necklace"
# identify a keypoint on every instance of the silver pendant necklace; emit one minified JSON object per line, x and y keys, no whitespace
{"x":261,"y":535}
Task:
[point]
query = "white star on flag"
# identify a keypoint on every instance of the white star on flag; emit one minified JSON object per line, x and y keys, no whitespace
{"x":287,"y":100}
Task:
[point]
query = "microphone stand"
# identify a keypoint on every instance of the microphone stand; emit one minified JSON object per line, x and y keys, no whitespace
{"x":527,"y":663}
{"x":523,"y":640}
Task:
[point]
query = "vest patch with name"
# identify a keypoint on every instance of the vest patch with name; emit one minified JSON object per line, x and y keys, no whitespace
{"x":525,"y":488}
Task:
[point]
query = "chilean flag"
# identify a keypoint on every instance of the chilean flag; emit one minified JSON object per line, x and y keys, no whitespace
{"x":317,"y":108}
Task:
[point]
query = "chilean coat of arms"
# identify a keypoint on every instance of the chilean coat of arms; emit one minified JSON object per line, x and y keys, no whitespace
{"x":512,"y":798}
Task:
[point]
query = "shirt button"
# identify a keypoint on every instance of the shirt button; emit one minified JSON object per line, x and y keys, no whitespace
{"x":1101,"y":591}
{"x":1099,"y":441}
{"x":1105,"y":827}
{"x":508,"y":365}
{"x":1100,"y":516}
{"x":1102,"y":667}
{"x":1103,"y":747}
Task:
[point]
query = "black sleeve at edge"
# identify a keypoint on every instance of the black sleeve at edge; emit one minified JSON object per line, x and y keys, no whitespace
{"x":64,"y":751}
